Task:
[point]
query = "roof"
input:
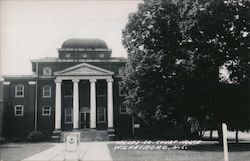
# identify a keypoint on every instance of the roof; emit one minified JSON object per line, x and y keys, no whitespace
{"x":19,"y":76}
{"x":85,"y":44}
{"x":54,"y":59}
{"x":84,"y":69}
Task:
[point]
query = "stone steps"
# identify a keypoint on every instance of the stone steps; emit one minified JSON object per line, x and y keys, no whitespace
{"x":89,"y":135}
{"x":94,"y":135}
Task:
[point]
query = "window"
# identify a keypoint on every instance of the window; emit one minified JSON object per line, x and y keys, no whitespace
{"x":121,"y":89}
{"x":19,"y":91}
{"x":18,"y":110}
{"x":101,"y":55}
{"x":68,"y":91}
{"x":101,"y":114}
{"x":101,"y":88}
{"x":84,"y":55}
{"x":68,"y":55}
{"x":68,"y":115}
{"x":46,"y":71}
{"x":46,"y":111}
{"x":46,"y":91}
{"x":124,"y":109}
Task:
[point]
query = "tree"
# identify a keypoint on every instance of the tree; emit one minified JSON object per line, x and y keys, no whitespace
{"x":176,"y":50}
{"x":220,"y":39}
{"x":154,"y":70}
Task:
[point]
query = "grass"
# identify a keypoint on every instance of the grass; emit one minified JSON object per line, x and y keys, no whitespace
{"x":201,"y":152}
{"x":19,"y":151}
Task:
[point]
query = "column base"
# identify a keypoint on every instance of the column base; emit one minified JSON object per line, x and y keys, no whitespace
{"x":56,"y":135}
{"x":57,"y":130}
{"x":111,"y":133}
{"x":76,"y":130}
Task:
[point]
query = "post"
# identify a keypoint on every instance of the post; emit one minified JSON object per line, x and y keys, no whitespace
{"x":75,"y":104}
{"x":92,"y":103}
{"x":36,"y":99}
{"x":225,"y":147}
{"x":237,"y":136}
{"x":133,"y":123}
{"x":58,"y":105}
{"x":110,"y":103}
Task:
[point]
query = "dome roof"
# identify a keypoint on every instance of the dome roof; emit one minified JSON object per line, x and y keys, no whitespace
{"x":85,"y":44}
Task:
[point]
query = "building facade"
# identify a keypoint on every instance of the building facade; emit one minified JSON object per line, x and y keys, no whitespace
{"x":1,"y":109}
{"x":80,"y":89}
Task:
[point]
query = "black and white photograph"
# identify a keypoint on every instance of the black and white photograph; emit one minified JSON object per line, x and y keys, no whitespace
{"x":124,"y":80}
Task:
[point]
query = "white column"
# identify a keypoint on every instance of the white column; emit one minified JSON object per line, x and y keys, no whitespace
{"x":92,"y":103}
{"x":58,"y":105}
{"x":75,"y":104}
{"x":110,"y":103}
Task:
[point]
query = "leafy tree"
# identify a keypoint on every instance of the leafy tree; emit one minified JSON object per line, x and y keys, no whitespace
{"x":220,"y":38}
{"x":176,"y":50}
{"x":154,"y":69}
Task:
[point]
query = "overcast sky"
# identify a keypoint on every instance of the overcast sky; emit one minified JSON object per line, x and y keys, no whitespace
{"x":36,"y":29}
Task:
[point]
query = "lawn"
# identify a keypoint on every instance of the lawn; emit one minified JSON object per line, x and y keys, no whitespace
{"x":201,"y":152}
{"x":19,"y":151}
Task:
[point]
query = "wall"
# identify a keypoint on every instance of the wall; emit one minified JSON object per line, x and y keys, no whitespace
{"x":1,"y":108}
{"x":19,"y":126}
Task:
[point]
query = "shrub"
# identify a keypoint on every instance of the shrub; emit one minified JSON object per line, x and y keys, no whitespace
{"x":16,"y":139}
{"x":36,"y":136}
{"x":2,"y":140}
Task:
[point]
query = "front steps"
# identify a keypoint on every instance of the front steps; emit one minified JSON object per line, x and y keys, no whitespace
{"x":90,"y":135}
{"x":94,"y":135}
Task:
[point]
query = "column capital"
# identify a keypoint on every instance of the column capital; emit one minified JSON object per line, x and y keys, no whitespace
{"x":32,"y":82}
{"x":75,"y":80}
{"x":6,"y":83}
{"x":92,"y":80}
{"x":110,"y":80}
{"x":58,"y":81}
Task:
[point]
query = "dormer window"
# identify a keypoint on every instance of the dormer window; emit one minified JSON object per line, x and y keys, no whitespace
{"x":46,"y":71}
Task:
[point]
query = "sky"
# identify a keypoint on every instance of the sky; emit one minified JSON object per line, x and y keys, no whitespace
{"x":33,"y":29}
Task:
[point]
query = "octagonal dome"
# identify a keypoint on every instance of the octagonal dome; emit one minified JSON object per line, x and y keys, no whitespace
{"x":84,"y":44}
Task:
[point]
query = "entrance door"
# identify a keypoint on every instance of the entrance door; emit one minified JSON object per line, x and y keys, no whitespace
{"x":85,"y":118}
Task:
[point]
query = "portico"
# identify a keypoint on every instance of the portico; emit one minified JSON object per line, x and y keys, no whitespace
{"x":77,"y":74}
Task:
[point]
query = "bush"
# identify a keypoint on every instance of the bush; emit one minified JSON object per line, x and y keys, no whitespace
{"x":36,"y":136}
{"x":2,"y":140}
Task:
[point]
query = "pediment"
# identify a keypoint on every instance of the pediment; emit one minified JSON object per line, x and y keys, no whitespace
{"x":83,"y":69}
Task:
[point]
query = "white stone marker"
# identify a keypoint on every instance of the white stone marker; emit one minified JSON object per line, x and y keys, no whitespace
{"x":225,"y":147}
{"x":72,"y":140}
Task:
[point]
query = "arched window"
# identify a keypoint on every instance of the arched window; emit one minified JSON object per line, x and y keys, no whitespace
{"x":46,"y":110}
{"x":18,"y":110}
{"x":46,"y":71}
{"x":46,"y":91}
{"x":19,"y":91}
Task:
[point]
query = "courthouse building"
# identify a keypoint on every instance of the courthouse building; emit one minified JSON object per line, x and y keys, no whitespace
{"x":79,"y":89}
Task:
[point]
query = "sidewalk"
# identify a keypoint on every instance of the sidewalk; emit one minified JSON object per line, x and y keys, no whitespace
{"x":88,"y":151}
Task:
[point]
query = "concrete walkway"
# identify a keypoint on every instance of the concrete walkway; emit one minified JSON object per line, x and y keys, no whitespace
{"x":88,"y":151}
